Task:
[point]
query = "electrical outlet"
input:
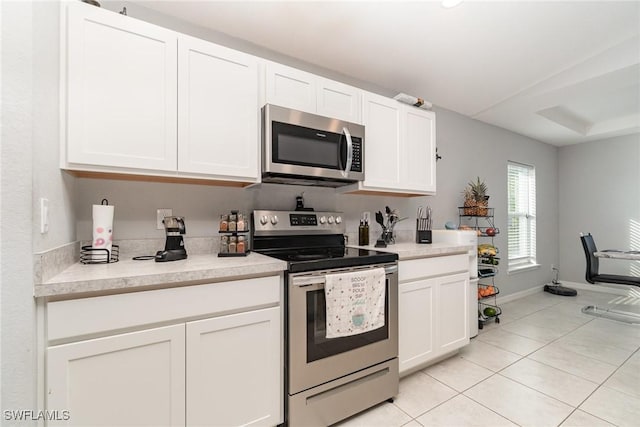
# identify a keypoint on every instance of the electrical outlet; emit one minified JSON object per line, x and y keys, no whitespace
{"x":160,"y":214}
{"x":44,"y":215}
{"x":553,"y":267}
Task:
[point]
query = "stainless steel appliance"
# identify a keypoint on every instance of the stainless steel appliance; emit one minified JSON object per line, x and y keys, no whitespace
{"x":307,"y":149}
{"x":328,"y":379}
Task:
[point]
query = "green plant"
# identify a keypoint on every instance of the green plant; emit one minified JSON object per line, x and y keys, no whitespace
{"x":478,"y":190}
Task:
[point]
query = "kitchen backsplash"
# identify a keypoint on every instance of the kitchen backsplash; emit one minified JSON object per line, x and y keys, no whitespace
{"x":136,"y":203}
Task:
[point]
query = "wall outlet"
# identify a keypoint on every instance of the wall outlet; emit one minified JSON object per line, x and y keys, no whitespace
{"x":44,"y":215}
{"x":160,"y":214}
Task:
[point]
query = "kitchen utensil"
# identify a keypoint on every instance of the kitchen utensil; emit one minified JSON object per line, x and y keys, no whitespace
{"x":174,"y":249}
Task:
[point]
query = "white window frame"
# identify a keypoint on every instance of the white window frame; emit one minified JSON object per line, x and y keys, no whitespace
{"x":521,"y":208}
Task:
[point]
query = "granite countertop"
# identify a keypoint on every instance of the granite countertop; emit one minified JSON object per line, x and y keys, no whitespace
{"x":415,"y":250}
{"x":128,"y":274}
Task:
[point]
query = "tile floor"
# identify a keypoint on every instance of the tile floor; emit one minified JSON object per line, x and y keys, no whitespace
{"x":545,"y":364}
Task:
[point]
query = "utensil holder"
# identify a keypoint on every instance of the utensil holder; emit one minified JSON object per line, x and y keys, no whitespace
{"x":423,"y":235}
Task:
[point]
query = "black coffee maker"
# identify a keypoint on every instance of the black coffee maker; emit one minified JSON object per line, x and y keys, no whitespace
{"x":174,"y":246}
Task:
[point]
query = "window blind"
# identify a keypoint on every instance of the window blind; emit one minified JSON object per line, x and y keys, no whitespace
{"x":522,"y":215}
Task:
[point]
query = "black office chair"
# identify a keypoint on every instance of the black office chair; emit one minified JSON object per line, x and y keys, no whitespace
{"x":592,"y":274}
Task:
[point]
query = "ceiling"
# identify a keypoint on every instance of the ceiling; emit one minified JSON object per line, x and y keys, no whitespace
{"x":558,"y":72}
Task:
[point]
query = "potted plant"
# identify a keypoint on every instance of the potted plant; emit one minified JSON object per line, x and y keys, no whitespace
{"x":475,"y":198}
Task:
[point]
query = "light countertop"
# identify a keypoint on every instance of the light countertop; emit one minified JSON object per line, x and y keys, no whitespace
{"x":128,"y":274}
{"x":415,"y":250}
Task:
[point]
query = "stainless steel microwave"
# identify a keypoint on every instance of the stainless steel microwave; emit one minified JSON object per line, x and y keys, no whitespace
{"x":307,"y":149}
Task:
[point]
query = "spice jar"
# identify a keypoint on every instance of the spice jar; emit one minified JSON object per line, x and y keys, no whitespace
{"x":224,"y":222}
{"x":232,"y":222}
{"x":224,"y":244}
{"x":240,"y":247}
{"x":232,"y":244}
{"x":241,"y":223}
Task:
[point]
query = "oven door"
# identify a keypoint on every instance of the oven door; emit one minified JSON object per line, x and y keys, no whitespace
{"x":315,"y":359}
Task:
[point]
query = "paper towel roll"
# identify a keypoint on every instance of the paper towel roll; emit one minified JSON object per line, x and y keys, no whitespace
{"x":102,"y":227}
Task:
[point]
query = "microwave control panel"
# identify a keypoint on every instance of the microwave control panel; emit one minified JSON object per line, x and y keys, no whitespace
{"x":356,"y":165}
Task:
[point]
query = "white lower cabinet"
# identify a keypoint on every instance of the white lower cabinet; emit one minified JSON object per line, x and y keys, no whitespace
{"x":134,"y":379}
{"x":220,"y":370}
{"x":233,"y":363}
{"x":432,"y":309}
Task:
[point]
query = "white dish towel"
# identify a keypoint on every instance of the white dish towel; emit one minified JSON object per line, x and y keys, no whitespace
{"x":355,"y":302}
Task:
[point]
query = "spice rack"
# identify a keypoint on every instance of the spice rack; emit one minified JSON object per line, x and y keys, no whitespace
{"x":233,"y":228}
{"x":488,"y":261}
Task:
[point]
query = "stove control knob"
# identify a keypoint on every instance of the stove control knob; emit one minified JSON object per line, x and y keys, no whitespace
{"x":264,"y":220}
{"x":331,"y":220}
{"x":274,"y":220}
{"x":338,"y":220}
{"x":323,"y":219}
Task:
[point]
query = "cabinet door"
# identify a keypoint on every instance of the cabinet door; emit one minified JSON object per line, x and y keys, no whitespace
{"x":416,"y":322}
{"x":121,"y":91}
{"x":339,"y":101}
{"x":291,"y":88}
{"x":218,"y":130}
{"x":453,"y":312}
{"x":418,"y":150}
{"x":381,"y":118}
{"x":234,"y":370}
{"x":134,"y":379}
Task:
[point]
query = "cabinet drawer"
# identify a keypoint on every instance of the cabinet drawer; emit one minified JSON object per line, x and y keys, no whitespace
{"x":84,"y":317}
{"x":431,"y":267}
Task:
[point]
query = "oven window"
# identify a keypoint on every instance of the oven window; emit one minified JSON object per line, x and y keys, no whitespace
{"x":319,"y":347}
{"x":298,"y":145}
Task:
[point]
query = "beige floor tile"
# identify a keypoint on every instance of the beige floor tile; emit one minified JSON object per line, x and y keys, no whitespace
{"x":511,"y":342}
{"x":412,"y":423}
{"x":613,"y":406}
{"x":383,"y":415}
{"x":594,"y":347}
{"x":488,"y":356}
{"x":419,"y":392}
{"x":627,"y":378}
{"x":533,"y":331}
{"x":573,"y":363}
{"x":553,"y":382}
{"x":462,"y":411}
{"x":518,"y":403}
{"x":582,"y":419}
{"x":458,"y":373}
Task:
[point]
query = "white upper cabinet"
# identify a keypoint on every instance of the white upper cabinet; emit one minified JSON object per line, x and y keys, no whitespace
{"x":399,"y":148}
{"x":121,"y":91}
{"x":218,"y":110}
{"x":419,"y":145}
{"x":381,"y":142}
{"x":299,"y":90}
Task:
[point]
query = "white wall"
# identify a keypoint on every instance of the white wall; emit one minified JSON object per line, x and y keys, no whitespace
{"x":600,"y":194}
{"x":17,"y":311}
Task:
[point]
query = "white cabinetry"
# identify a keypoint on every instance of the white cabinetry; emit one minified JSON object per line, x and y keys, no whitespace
{"x":218,"y":114}
{"x":293,"y":88}
{"x":399,"y":148}
{"x":118,"y":367}
{"x":432,"y":307}
{"x":129,"y":379}
{"x":144,"y":100}
{"x":121,"y":91}
{"x":241,"y":351}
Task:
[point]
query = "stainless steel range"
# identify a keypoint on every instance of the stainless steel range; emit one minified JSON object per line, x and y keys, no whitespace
{"x":328,"y":379}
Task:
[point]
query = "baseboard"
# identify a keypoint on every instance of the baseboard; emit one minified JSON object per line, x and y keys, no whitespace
{"x":517,"y":295}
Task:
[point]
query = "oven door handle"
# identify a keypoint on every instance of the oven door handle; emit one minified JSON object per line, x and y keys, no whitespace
{"x":317,"y":282}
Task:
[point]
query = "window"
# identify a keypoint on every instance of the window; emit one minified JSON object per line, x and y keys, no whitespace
{"x":522,"y":215}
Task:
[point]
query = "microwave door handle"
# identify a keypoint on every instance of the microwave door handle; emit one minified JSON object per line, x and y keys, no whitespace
{"x":347,"y":167}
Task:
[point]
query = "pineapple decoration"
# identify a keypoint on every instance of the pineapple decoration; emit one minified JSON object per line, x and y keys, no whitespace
{"x":475,"y":198}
